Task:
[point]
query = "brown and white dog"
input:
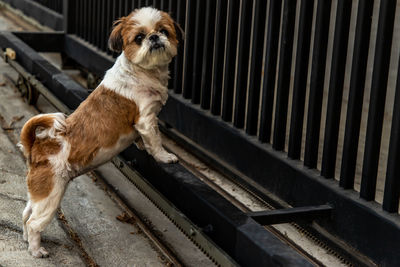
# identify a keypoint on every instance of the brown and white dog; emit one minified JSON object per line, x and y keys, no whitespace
{"x":123,"y":109}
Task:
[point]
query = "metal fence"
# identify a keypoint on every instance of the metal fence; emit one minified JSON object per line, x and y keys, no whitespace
{"x":246,"y":61}
{"x":55,"y":5}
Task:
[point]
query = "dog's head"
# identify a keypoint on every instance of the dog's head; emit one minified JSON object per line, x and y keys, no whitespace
{"x":147,"y":36}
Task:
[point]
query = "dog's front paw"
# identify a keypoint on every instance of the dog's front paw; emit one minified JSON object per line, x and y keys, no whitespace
{"x":165,"y":157}
{"x":139,"y":144}
{"x":39,"y":253}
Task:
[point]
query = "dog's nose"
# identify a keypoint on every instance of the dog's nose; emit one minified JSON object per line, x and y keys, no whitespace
{"x":155,"y":42}
{"x":154,"y":38}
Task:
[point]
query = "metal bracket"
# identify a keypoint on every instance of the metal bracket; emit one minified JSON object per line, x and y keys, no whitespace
{"x":291,"y":215}
{"x":9,"y":54}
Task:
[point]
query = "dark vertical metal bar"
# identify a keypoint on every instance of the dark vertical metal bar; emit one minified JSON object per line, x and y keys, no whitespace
{"x":78,"y":30}
{"x":68,"y":13}
{"x":189,"y":47}
{"x":86,"y":20}
{"x":178,"y":64}
{"x":167,"y":6}
{"x":127,"y":7}
{"x":76,"y":23}
{"x":157,"y":4}
{"x":356,"y":94}
{"x":242,"y":63}
{"x":79,"y":11}
{"x":206,"y":73}
{"x":268,"y":87}
{"x":115,"y":10}
{"x":135,"y":4}
{"x":99,"y":28}
{"x":377,"y":98}
{"x":59,"y":7}
{"x":142,"y":3}
{"x":114,"y":16}
{"x":75,"y":11}
{"x":300,"y":78}
{"x":336,"y":82}
{"x":392,"y":183}
{"x":218,"y":64}
{"x":317,"y":83}
{"x":253,"y":99}
{"x":121,"y":4}
{"x":93,"y":22}
{"x":229,"y":59}
{"x":110,"y":16}
{"x":98,"y":23}
{"x":80,"y":5}
{"x":89,"y":16}
{"x":170,"y":7}
{"x":198,"y":52}
{"x":285,"y":64}
{"x":105,"y":26}
{"x":83,"y":18}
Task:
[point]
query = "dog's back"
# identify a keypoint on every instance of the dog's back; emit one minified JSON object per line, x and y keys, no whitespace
{"x":95,"y":137}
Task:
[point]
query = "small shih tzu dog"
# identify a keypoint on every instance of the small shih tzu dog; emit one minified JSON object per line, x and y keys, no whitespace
{"x":122,"y":110}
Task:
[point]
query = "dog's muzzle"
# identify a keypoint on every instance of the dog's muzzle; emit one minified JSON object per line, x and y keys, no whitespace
{"x":155,"y":42}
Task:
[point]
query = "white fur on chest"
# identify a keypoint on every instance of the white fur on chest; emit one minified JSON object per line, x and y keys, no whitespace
{"x":148,"y":92}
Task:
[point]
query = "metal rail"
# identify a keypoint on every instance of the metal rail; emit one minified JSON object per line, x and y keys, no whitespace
{"x":343,"y":252}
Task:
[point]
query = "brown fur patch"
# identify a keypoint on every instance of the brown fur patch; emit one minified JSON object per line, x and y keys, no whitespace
{"x":40,"y":175}
{"x":98,"y":123}
{"x":43,"y":148}
{"x":115,"y":42}
{"x":40,"y":180}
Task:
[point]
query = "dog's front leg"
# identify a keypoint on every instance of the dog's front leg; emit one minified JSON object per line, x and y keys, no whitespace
{"x":147,"y":126}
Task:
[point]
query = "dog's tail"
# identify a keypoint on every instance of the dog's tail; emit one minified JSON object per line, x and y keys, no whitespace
{"x":41,"y":126}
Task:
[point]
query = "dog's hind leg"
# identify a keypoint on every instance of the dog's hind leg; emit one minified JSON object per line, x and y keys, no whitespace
{"x":43,"y":211}
{"x":25,"y":216}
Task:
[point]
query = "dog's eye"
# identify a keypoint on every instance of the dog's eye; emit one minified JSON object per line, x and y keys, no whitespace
{"x":165,"y":32}
{"x":139,"y":38}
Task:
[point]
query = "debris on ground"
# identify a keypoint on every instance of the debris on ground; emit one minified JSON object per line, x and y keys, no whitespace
{"x":126,"y":218}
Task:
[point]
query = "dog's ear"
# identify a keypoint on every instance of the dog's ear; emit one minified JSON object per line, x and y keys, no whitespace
{"x":115,"y":42}
{"x":180,"y":34}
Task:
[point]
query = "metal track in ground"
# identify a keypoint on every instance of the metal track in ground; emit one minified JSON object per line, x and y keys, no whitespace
{"x":207,"y":246}
{"x":166,"y":252}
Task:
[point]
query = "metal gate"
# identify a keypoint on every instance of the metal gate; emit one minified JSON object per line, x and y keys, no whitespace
{"x":287,"y":97}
